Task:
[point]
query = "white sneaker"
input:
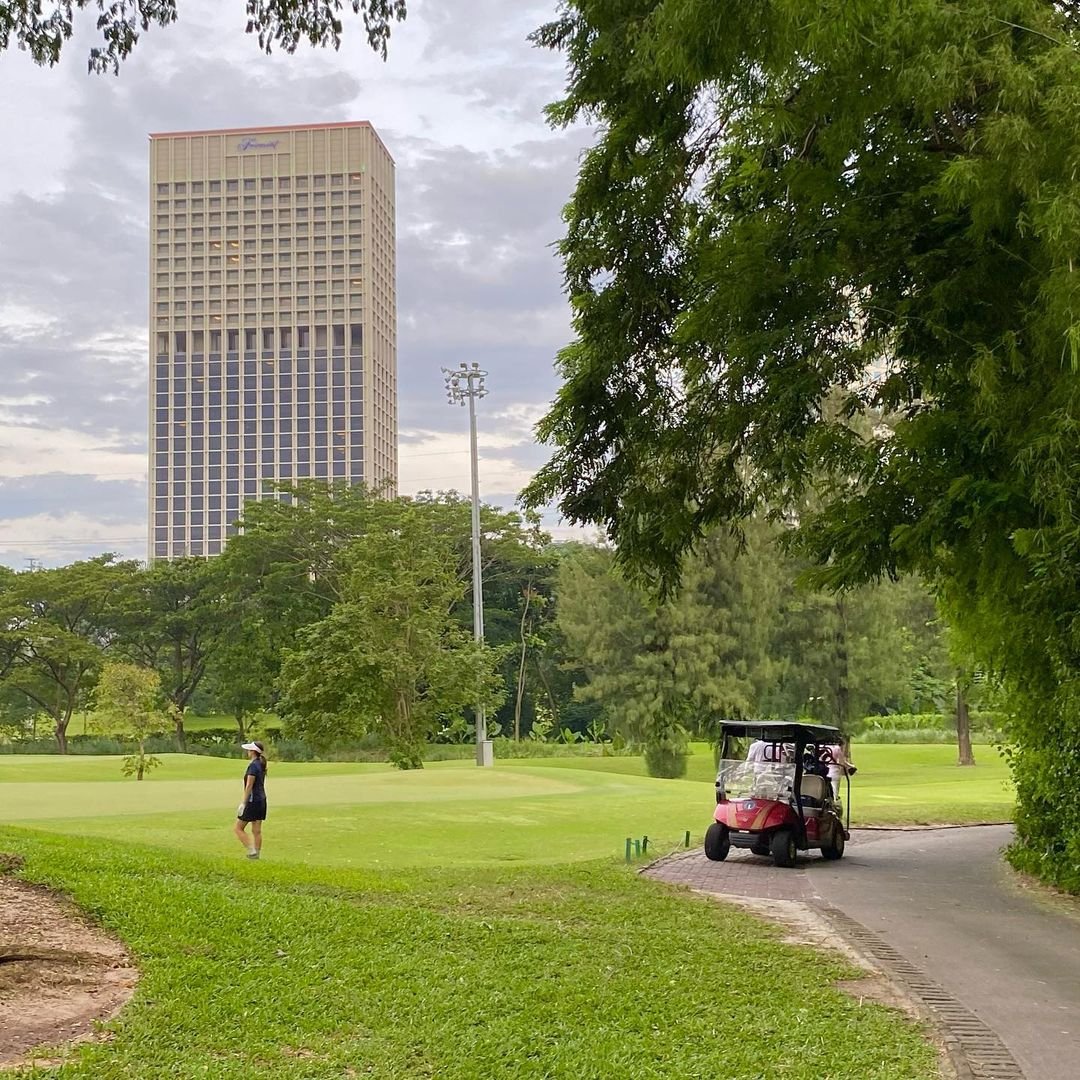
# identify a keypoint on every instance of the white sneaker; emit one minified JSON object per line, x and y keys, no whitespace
{"x":253,"y":854}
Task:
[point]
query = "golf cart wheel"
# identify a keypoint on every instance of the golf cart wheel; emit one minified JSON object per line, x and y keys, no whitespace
{"x":783,"y":847}
{"x":834,"y":850}
{"x":717,"y":842}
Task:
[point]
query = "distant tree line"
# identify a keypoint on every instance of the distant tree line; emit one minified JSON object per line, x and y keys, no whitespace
{"x":348,"y":614}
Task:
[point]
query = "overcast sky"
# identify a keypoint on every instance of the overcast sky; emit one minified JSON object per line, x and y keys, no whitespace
{"x":481,"y":180}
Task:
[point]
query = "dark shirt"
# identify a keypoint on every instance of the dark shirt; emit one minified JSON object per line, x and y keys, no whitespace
{"x":257,"y":769}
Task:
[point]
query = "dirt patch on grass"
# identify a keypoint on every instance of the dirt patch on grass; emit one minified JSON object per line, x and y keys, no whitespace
{"x":59,"y":974}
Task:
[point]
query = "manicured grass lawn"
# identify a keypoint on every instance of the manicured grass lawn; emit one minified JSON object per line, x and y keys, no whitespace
{"x":895,"y":784}
{"x":84,"y":768}
{"x":365,"y":814}
{"x":579,"y":972}
{"x":451,"y":923}
{"x":539,"y":811}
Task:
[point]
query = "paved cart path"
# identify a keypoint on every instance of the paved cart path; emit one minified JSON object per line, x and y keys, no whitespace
{"x":946,"y":903}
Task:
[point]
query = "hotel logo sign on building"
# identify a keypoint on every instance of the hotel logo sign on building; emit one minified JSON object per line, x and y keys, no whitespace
{"x":255,"y":144}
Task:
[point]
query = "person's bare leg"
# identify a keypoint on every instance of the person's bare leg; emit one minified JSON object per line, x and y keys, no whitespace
{"x":256,"y":836}
{"x":242,"y":836}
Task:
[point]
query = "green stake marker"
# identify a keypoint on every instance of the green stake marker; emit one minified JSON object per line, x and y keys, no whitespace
{"x":686,"y":839}
{"x":645,"y":845}
{"x":637,"y":847}
{"x":629,"y":844}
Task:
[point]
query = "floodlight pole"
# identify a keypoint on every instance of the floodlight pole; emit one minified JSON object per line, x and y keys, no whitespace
{"x":465,"y":382}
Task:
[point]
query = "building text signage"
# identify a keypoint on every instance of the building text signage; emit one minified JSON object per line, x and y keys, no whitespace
{"x":255,"y":144}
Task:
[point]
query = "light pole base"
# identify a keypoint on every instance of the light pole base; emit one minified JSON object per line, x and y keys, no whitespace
{"x":485,"y":754}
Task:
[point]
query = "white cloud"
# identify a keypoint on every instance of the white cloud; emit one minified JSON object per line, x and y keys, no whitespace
{"x":39,"y":451}
{"x":481,"y":182}
{"x":440,"y":461}
{"x":21,"y":322}
{"x":60,"y":538}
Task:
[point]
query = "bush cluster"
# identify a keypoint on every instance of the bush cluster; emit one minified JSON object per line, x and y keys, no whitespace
{"x":224,"y":742}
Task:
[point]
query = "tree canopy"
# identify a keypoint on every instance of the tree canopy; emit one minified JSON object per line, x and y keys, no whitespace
{"x":42,"y":29}
{"x":857,"y":209}
{"x":390,"y":657}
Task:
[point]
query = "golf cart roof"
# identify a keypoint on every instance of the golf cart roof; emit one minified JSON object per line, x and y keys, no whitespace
{"x":782,"y":731}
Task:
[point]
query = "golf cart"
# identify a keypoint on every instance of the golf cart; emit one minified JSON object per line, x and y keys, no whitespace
{"x":770,"y":803}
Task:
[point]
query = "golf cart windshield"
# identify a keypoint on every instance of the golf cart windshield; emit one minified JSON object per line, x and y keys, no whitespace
{"x":756,"y":780}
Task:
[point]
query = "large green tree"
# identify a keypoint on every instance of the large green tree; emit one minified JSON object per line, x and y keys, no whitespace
{"x":128,"y":701}
{"x":390,"y":656}
{"x":865,"y":651}
{"x":42,"y":27}
{"x":56,"y":627}
{"x":664,"y":668}
{"x":170,"y":618}
{"x":289,"y":567}
{"x":868,"y":197}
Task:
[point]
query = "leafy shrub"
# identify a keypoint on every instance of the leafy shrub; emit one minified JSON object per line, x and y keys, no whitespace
{"x":921,"y":735}
{"x":666,"y":758}
{"x":938,"y":727}
{"x":213,"y":743}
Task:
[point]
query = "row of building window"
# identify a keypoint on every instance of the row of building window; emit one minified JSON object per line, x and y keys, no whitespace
{"x":233,"y":427}
{"x":195,"y":548}
{"x":199,"y":474}
{"x":184,"y":394}
{"x":266,"y":201}
{"x":229,"y":224}
{"x":267,"y":287}
{"x":268,"y":262}
{"x":164,"y":497}
{"x":232,"y":234}
{"x":268,"y":380}
{"x":191,"y":467}
{"x":268,"y":338}
{"x":317,"y":182}
{"x":202,"y":485}
{"x":264,"y":275}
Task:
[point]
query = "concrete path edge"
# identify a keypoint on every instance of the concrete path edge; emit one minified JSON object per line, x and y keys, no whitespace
{"x":974,"y":1050}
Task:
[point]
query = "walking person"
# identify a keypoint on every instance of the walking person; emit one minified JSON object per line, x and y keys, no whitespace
{"x":253,"y":809}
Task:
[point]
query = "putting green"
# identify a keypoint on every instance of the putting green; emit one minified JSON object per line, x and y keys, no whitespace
{"x":371,"y":815}
{"x":523,"y":811}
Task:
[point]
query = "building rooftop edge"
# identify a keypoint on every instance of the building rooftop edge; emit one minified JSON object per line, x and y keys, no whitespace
{"x":273,"y":127}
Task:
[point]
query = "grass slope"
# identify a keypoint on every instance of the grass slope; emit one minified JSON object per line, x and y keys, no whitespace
{"x":290,"y":971}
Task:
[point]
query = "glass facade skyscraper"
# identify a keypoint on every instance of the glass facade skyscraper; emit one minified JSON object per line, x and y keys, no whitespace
{"x":272,"y":321}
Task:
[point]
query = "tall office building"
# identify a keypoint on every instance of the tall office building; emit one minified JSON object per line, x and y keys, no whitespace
{"x":272,"y":320}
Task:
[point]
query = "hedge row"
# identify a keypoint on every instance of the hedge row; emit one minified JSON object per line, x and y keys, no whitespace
{"x":225,"y":743}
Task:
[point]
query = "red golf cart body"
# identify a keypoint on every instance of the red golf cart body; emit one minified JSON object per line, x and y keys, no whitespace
{"x":771,"y":805}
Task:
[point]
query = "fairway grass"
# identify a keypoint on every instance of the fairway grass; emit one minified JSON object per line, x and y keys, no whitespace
{"x":553,"y":810}
{"x":451,"y":923}
{"x":371,"y":815}
{"x":579,"y":972}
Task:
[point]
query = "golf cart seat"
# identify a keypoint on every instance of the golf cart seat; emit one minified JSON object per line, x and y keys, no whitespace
{"x":814,"y":791}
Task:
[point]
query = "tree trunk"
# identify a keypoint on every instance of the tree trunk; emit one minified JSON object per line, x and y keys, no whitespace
{"x":843,"y":688}
{"x":142,"y":762}
{"x":181,"y":738}
{"x":552,"y":703}
{"x":521,"y":668}
{"x":239,"y":715}
{"x":963,"y":726}
{"x":61,"y":716}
